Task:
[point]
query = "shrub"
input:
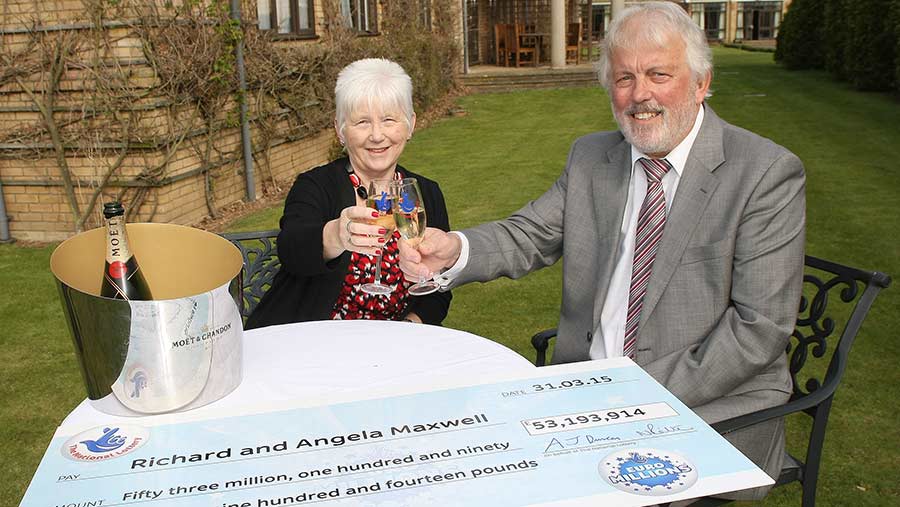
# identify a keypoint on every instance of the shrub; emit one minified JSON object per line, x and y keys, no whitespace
{"x":836,"y":33}
{"x":895,"y":22}
{"x":800,"y":43}
{"x":871,"y":45}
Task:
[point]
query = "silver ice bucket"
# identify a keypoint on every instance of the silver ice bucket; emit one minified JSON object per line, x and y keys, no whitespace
{"x":180,"y":351}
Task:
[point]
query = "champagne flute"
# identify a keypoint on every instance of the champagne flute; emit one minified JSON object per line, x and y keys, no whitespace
{"x":409,"y":215}
{"x":381,"y":198}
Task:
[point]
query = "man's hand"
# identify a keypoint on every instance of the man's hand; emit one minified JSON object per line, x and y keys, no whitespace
{"x":436,"y":251}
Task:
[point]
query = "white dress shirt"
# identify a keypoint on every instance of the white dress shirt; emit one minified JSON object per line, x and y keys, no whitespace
{"x":609,"y":338}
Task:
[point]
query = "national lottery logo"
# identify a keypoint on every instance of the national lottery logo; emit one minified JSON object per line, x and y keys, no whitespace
{"x":383,"y":204}
{"x":104,"y":442}
{"x":407,"y":204}
{"x":648,"y":472}
{"x":138,"y":381}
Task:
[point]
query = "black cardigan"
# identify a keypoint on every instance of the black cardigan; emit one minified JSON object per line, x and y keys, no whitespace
{"x":306,"y":287}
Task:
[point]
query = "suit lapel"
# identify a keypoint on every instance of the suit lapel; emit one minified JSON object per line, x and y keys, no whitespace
{"x":610,"y":193}
{"x":698,"y":182}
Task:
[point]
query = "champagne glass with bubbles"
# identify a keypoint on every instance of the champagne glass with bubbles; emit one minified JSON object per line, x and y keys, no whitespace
{"x":409,"y":215}
{"x":381,"y":198}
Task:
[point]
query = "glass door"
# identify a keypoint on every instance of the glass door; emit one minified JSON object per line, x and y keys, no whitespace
{"x":473,"y":46}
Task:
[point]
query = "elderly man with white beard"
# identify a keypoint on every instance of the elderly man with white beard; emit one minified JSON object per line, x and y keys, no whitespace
{"x":681,"y":236}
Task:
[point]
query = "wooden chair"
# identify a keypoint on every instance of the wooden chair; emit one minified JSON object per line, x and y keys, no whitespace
{"x":573,"y":43}
{"x":817,"y":323}
{"x":260,"y":265}
{"x":500,"y":47}
{"x":517,"y":49}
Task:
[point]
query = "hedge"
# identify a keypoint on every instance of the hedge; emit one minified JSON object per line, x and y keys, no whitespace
{"x":856,"y":40}
{"x":800,"y":42}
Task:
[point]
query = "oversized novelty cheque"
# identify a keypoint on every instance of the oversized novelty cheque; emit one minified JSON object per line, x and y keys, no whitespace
{"x":593,"y":433}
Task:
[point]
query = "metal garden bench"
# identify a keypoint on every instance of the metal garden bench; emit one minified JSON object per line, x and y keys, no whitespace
{"x":832,"y":294}
{"x":260,"y":264}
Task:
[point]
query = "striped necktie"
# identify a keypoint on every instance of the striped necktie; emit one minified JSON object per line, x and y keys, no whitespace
{"x":650,"y":225}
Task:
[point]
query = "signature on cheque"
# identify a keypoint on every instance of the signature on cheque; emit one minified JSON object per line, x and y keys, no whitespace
{"x":560,"y":444}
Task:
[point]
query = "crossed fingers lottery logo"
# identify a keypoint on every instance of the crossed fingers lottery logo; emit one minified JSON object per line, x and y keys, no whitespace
{"x":383,"y":203}
{"x":407,"y":203}
{"x":648,"y":472}
{"x":104,"y":442}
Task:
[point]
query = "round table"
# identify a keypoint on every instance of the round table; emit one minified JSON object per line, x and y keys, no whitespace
{"x":288,"y":363}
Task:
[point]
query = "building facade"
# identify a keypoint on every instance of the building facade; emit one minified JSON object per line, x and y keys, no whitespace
{"x":66,"y":146}
{"x":60,"y":155}
{"x":725,"y":21}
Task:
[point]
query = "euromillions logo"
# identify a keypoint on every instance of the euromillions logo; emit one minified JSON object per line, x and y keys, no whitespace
{"x":104,"y":442}
{"x":406,"y":204}
{"x":383,"y":203}
{"x":648,"y":472}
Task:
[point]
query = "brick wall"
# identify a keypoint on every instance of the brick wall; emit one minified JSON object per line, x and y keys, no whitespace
{"x":42,"y":212}
{"x":35,"y":199}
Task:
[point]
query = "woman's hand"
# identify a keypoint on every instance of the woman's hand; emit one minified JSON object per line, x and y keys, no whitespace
{"x":352,"y":232}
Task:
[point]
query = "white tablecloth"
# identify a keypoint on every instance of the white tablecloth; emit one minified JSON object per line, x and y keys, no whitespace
{"x":285,"y":364}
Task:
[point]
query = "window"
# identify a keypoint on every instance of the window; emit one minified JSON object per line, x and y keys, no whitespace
{"x":598,"y":23}
{"x":361,"y":14}
{"x":472,"y":24}
{"x":710,"y":16}
{"x":289,"y":17}
{"x":714,"y":21}
{"x":766,"y":24}
{"x":758,"y":20}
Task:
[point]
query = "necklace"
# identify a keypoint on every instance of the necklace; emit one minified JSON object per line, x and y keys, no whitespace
{"x":357,"y":183}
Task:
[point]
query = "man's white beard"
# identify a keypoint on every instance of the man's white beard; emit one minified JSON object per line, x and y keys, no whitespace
{"x":676,"y":123}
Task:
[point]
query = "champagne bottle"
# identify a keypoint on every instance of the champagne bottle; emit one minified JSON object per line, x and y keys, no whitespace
{"x":122,"y":277}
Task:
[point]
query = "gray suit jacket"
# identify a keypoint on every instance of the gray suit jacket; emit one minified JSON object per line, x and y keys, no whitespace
{"x":724,"y":292}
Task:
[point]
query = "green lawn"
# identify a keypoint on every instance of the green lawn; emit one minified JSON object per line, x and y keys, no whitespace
{"x":508,"y":149}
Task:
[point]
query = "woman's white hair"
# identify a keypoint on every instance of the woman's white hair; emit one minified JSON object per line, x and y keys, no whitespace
{"x":372,"y":82}
{"x":659,"y":20}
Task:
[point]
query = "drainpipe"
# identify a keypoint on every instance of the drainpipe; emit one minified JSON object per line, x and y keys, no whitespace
{"x":4,"y":220}
{"x":465,"y":37}
{"x":246,"y":148}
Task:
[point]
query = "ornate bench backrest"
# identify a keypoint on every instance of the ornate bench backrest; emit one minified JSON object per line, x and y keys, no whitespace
{"x":835,"y":302}
{"x":260,"y":264}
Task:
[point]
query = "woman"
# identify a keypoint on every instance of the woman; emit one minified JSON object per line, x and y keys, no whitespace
{"x":326,"y":247}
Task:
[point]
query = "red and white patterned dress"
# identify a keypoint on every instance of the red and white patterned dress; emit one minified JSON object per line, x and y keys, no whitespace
{"x":353,"y":303}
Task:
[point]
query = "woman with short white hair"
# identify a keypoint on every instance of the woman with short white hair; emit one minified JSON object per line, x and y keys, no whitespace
{"x":327,"y":246}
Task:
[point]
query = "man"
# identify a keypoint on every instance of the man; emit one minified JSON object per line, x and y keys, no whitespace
{"x":681,"y":236}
